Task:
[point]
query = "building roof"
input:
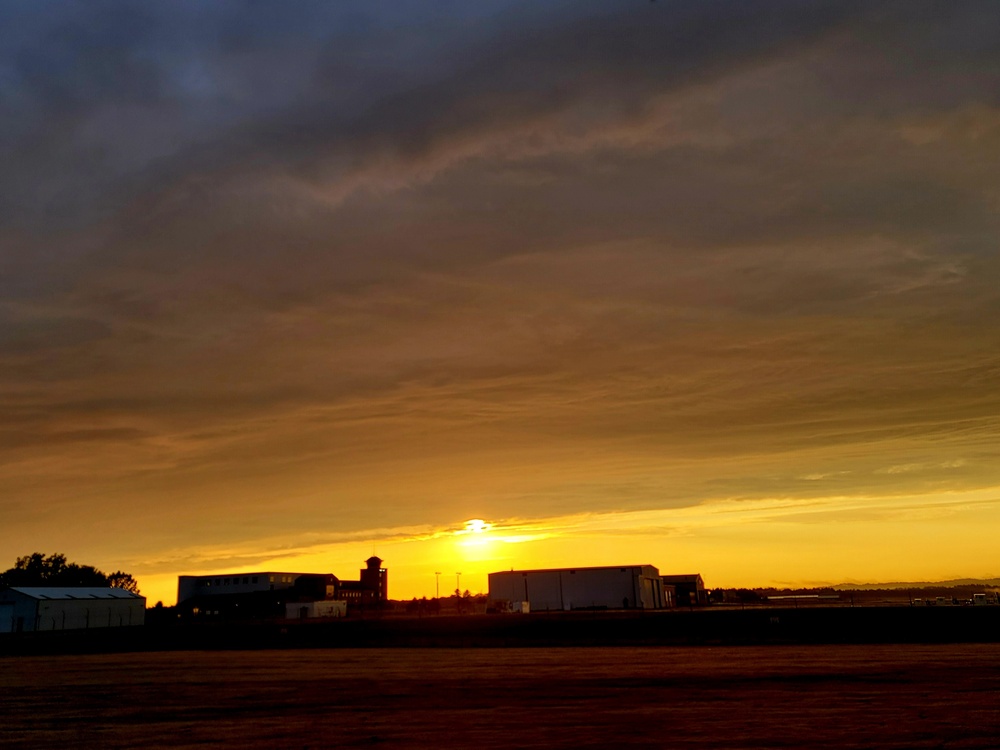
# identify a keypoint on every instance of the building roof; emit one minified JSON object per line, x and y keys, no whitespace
{"x":567,"y":570}
{"x":242,"y":573}
{"x":683,"y":578}
{"x":74,"y":592}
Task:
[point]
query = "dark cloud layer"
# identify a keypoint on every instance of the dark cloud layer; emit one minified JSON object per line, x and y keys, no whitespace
{"x":539,"y":257}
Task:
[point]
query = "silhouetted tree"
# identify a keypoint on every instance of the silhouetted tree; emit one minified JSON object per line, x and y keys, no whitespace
{"x":122,"y":580}
{"x":38,"y":570}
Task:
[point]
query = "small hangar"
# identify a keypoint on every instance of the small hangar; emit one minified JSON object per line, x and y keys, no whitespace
{"x":689,"y":589}
{"x":52,"y":608}
{"x":613,"y":587}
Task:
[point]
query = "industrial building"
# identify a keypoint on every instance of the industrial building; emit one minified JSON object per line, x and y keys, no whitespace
{"x":270,"y":594}
{"x":614,"y":587}
{"x":233,"y":583}
{"x":51,"y":608}
{"x":689,"y":589}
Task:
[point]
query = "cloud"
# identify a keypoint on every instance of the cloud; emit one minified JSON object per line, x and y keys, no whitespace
{"x":575,"y":256}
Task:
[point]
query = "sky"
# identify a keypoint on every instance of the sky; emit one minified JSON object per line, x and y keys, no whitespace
{"x":712,"y":286}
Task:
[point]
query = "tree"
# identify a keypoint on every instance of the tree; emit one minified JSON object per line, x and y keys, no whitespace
{"x":38,"y":570}
{"x":122,"y":580}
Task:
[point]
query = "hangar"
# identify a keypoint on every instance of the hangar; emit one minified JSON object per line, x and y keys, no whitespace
{"x":612,"y":587}
{"x":689,"y":589}
{"x":54,"y":608}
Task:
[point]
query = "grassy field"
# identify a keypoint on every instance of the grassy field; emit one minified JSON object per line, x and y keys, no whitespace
{"x":886,"y":696}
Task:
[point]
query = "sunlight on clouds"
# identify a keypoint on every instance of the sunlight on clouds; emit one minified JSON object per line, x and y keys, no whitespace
{"x":475,"y":532}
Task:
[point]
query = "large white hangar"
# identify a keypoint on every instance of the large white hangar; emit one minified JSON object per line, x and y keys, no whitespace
{"x":52,"y":608}
{"x":613,"y":587}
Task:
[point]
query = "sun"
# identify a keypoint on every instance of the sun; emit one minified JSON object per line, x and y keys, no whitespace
{"x":476,"y":526}
{"x":474,"y":538}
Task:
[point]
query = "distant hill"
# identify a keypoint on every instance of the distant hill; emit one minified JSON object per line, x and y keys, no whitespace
{"x":953,"y":583}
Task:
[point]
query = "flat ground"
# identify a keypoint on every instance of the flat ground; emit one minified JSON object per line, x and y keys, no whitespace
{"x":885,"y":696}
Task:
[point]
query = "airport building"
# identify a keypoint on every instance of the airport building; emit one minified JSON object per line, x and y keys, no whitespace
{"x":233,"y":583}
{"x":268,"y":594}
{"x":371,"y":588}
{"x":24,"y":609}
{"x":689,"y":589}
{"x":614,"y":587}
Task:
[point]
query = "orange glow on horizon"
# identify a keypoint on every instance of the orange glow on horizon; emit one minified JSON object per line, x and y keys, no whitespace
{"x":732,"y":543}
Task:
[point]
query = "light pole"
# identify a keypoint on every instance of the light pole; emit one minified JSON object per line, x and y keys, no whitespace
{"x":437,"y":584}
{"x":458,"y":584}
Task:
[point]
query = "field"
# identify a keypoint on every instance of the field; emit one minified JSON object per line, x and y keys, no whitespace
{"x":886,"y":696}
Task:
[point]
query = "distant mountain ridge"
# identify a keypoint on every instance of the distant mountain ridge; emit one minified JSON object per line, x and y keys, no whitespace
{"x":955,"y":582}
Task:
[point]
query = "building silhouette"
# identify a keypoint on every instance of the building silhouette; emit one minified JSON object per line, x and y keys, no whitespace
{"x":371,"y":588}
{"x":272,"y":594}
{"x":689,"y":589}
{"x":612,"y":587}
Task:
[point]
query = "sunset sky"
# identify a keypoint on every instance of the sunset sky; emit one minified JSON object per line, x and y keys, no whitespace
{"x":713,"y":286}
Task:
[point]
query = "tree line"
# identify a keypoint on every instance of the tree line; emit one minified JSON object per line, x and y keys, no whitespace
{"x":37,"y":569}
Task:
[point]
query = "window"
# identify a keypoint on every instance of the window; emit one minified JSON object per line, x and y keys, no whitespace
{"x":246,"y":579}
{"x":254,"y":579}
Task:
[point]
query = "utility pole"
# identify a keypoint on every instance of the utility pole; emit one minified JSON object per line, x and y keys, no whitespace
{"x":437,"y":584}
{"x":458,"y":584}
